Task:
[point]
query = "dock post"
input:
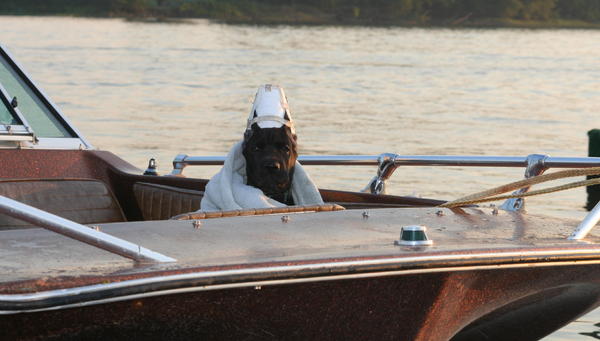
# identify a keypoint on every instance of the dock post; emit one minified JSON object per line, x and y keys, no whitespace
{"x":593,"y":192}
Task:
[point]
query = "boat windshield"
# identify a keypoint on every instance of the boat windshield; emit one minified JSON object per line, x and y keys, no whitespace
{"x":36,"y":112}
{"x":6,"y":116}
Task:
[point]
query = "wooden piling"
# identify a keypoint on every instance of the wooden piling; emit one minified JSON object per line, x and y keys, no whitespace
{"x":593,"y":150}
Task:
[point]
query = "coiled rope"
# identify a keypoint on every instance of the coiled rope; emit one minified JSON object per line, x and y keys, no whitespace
{"x":492,"y":194}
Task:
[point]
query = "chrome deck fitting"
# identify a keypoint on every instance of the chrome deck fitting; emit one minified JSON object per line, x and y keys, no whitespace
{"x":413,"y":235}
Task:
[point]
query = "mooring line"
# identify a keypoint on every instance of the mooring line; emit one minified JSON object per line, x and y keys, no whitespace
{"x":492,"y":194}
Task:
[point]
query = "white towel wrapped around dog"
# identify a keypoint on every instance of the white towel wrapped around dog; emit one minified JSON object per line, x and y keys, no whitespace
{"x":227,"y":190}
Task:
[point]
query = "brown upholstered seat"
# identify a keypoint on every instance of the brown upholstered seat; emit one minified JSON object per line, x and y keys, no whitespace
{"x":86,"y":201}
{"x":160,"y":202}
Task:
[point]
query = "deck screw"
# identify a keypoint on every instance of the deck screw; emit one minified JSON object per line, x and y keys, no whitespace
{"x":365,"y":215}
{"x":285,"y":219}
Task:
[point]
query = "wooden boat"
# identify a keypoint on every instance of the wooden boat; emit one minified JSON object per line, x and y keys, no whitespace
{"x":89,"y":250}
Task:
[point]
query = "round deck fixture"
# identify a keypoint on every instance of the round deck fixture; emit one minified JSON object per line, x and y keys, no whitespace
{"x":413,"y":235}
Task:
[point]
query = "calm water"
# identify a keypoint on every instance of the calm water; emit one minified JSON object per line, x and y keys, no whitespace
{"x":155,"y":90}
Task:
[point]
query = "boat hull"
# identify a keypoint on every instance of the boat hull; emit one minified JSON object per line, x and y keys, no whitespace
{"x":463,"y":304}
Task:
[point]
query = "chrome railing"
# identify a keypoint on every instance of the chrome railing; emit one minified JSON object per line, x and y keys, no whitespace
{"x":387,"y":163}
{"x":181,"y":161}
{"x":587,"y":224}
{"x":79,"y":232}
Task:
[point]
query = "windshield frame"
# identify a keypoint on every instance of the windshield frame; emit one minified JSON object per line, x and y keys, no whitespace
{"x":20,"y":131}
{"x":76,"y":140}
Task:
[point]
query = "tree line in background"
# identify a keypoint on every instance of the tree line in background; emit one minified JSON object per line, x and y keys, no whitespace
{"x":385,"y":12}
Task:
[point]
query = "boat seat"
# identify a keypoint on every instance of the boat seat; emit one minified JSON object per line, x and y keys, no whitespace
{"x":85,"y":201}
{"x":161,"y":202}
{"x":258,"y":211}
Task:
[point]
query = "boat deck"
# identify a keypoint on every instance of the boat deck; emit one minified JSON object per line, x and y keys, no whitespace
{"x":462,"y":237}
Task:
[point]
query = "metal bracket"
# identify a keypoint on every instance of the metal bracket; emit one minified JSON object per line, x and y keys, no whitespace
{"x":179,"y":164}
{"x":536,"y":165}
{"x":387,"y":166}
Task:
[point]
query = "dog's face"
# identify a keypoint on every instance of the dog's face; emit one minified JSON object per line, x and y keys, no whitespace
{"x":270,"y":157}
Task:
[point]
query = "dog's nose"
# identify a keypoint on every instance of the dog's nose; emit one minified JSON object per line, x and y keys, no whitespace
{"x":272,"y":165}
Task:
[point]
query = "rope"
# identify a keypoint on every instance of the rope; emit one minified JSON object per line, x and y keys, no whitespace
{"x":492,"y":194}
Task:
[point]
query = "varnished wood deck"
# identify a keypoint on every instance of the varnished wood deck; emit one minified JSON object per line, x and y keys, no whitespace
{"x":466,"y":237}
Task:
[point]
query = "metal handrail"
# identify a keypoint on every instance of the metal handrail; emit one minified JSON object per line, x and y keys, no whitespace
{"x":587,"y":224}
{"x":79,"y":232}
{"x":387,"y":163}
{"x":181,"y":161}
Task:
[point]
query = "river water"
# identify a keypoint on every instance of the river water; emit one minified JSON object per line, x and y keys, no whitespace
{"x":146,"y":90}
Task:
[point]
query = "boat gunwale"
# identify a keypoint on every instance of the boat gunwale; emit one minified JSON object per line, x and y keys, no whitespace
{"x":180,"y":281}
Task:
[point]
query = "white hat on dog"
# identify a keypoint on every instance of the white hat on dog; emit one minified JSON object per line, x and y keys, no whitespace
{"x":270,"y":109}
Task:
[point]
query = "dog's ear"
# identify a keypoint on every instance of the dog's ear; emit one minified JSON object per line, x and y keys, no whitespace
{"x":250,"y":132}
{"x":289,"y":133}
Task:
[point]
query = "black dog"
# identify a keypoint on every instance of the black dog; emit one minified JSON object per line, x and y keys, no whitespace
{"x":271,"y":154}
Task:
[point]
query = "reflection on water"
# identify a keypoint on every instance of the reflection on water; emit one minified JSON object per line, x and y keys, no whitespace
{"x":155,"y":90}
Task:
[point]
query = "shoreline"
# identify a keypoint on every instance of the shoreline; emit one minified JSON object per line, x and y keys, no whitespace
{"x":472,"y":24}
{"x":262,"y":13}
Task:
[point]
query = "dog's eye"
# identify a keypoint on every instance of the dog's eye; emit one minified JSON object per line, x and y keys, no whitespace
{"x":259,"y":147}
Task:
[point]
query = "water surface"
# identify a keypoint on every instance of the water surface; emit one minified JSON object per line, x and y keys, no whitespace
{"x":156,"y":90}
